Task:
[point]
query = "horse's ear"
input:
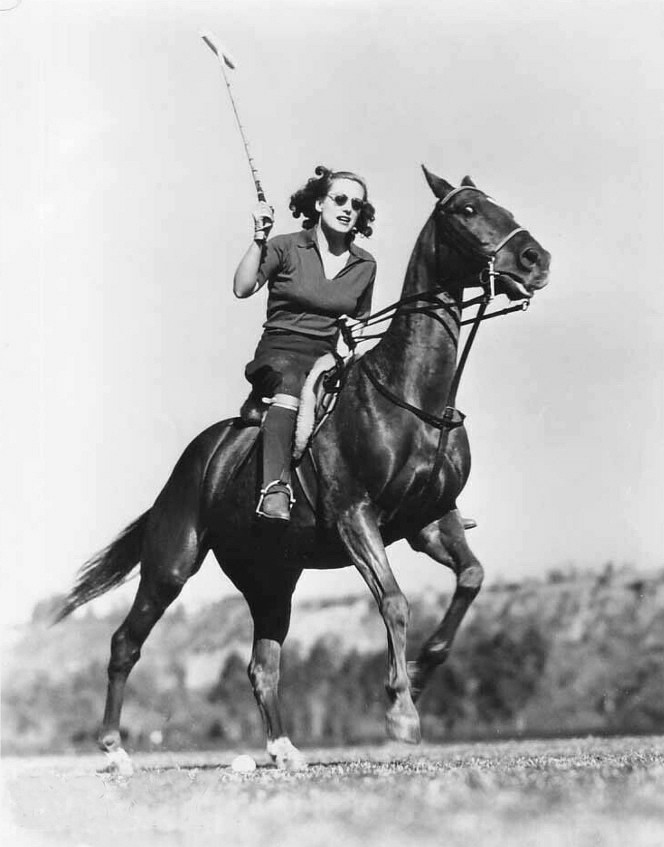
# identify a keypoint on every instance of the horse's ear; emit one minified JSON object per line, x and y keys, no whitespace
{"x":467,"y":181}
{"x":439,"y":186}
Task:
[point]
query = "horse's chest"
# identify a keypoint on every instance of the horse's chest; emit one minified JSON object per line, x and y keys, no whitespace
{"x":425,"y":469}
{"x":421,"y":482}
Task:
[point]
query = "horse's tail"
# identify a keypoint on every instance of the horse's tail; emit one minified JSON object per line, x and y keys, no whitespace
{"x":107,"y":568}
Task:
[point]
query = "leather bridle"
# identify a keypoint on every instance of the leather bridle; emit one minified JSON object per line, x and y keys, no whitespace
{"x":430,"y":303}
{"x":489,"y":256}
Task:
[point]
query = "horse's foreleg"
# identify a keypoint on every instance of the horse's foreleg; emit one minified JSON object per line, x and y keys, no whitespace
{"x":445,"y":542}
{"x":359,"y":532}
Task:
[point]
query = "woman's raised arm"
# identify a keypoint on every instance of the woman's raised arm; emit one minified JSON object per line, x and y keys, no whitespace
{"x":245,"y":282}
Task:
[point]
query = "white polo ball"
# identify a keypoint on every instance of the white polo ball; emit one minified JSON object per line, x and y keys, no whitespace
{"x":243,"y":764}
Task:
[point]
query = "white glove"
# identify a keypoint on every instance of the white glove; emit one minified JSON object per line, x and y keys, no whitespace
{"x":263,"y":216}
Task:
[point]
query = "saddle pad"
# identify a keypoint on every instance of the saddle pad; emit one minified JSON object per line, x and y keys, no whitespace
{"x":313,"y":402}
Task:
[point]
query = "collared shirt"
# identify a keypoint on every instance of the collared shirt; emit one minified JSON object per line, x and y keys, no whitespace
{"x":300,"y":298}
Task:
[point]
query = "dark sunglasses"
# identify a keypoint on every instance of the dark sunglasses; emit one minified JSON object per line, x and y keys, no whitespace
{"x":342,"y":199}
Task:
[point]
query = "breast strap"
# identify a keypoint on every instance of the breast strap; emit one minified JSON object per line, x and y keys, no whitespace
{"x":450,"y":419}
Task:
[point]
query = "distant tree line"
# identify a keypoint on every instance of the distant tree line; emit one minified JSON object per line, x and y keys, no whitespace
{"x":550,"y":658}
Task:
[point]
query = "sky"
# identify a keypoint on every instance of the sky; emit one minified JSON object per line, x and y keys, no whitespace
{"x":126,"y":204}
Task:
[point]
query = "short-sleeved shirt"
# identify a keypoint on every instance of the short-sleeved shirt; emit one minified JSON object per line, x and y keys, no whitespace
{"x":300,"y":297}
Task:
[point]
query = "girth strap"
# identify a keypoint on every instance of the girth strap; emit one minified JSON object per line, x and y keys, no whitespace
{"x":451,"y":417}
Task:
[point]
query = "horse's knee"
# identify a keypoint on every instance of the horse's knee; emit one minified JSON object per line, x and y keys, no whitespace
{"x":427,"y":538}
{"x":433,"y":543}
{"x":394,"y":608}
{"x":471,"y":577}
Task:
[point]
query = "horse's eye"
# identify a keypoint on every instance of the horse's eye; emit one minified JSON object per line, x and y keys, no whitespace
{"x":468,"y":211}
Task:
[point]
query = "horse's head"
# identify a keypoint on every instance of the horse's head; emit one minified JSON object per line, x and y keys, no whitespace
{"x":488,"y":236}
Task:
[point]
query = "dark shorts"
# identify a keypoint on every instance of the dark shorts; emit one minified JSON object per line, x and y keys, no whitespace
{"x":282,"y":361}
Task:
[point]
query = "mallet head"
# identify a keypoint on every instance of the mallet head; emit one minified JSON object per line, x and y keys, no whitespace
{"x":223,"y":55}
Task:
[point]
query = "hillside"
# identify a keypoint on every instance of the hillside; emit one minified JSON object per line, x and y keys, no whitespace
{"x":576,"y":652}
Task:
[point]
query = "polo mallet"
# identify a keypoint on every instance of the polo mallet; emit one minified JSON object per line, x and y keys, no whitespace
{"x":225,"y":61}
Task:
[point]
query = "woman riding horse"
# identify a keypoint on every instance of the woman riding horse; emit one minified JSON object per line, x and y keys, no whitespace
{"x":314,"y":276}
{"x":391,"y":461}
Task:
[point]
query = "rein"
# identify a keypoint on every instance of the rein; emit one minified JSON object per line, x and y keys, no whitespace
{"x":432,"y":304}
{"x":451,"y":417}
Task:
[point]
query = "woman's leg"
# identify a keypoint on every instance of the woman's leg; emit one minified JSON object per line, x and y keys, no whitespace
{"x":278,"y":371}
{"x":278,"y":427}
{"x":282,"y":381}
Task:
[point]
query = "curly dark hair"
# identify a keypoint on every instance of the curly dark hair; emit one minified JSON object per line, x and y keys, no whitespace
{"x":303,"y":202}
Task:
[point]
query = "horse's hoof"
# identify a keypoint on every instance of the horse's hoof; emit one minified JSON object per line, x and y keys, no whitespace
{"x":118,"y":762}
{"x":285,"y":755}
{"x":294,"y":763}
{"x":404,"y":726}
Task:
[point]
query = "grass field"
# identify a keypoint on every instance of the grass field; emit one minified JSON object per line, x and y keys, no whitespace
{"x":567,"y":793}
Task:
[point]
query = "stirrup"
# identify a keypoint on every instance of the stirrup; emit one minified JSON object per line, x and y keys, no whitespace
{"x":281,"y":487}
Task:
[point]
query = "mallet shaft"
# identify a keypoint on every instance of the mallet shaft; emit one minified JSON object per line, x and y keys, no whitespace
{"x":225,"y":60}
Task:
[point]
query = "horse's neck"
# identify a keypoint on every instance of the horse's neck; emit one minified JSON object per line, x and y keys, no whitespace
{"x":417,"y":355}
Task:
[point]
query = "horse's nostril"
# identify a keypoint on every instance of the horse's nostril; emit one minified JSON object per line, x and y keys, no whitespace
{"x":531,"y":256}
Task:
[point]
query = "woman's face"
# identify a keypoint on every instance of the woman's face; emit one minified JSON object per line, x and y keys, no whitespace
{"x":336,"y":208}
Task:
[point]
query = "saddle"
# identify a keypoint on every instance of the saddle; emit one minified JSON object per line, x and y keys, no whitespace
{"x":317,"y":400}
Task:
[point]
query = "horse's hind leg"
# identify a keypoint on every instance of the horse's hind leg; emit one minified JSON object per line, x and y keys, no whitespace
{"x":172,"y":553}
{"x":269,"y":598}
{"x":264,"y":676}
{"x":445,"y":541}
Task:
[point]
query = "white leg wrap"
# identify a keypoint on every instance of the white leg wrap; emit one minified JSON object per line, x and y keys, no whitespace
{"x":285,"y":754}
{"x":118,"y":762}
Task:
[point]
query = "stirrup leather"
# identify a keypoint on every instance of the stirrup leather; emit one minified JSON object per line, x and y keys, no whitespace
{"x":282,"y":485}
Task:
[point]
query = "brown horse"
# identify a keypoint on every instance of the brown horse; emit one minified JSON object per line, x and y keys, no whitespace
{"x":391,"y":460}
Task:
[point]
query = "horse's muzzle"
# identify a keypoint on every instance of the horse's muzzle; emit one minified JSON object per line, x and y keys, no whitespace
{"x":531,"y":272}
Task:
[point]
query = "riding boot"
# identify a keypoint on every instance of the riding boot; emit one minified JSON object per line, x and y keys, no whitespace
{"x":276,"y":492}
